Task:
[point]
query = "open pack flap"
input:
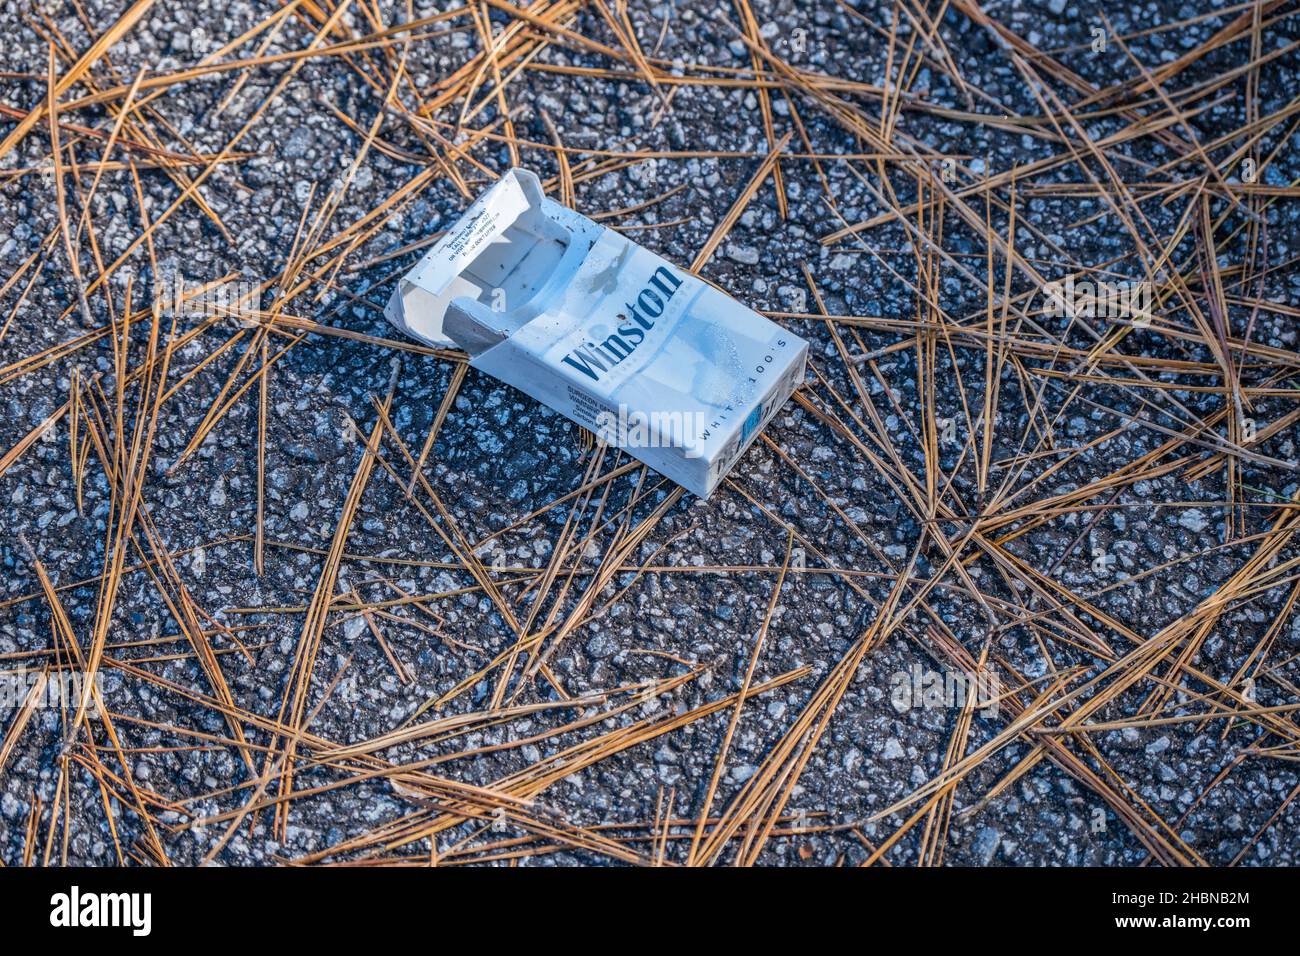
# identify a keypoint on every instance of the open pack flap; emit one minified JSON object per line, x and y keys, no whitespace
{"x":484,"y":278}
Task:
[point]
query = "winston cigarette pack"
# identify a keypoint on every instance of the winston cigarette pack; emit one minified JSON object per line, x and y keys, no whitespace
{"x":646,"y":355}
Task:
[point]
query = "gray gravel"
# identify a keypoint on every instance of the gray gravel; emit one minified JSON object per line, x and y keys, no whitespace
{"x":500,"y":456}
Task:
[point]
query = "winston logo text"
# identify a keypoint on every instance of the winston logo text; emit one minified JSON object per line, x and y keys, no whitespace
{"x":593,"y":358}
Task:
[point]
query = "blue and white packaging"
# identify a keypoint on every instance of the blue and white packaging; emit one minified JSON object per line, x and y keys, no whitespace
{"x":646,"y":355}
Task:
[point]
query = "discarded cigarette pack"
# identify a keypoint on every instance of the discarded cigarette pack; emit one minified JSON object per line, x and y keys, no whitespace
{"x":646,"y":355}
